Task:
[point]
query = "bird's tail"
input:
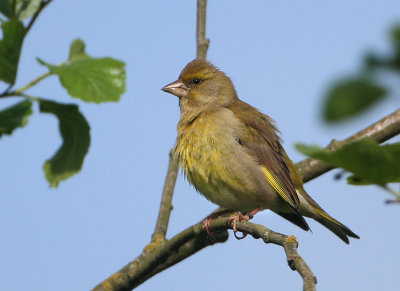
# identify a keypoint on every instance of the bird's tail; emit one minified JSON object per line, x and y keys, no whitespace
{"x":312,"y":209}
{"x":342,"y":231}
{"x":320,"y":215}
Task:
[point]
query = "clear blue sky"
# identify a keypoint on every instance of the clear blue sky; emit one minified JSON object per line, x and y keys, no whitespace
{"x":281,"y":56}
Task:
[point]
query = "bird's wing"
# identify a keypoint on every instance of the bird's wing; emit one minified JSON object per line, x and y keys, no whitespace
{"x":262,"y":141}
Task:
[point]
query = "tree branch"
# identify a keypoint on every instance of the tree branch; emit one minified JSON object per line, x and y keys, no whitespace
{"x":166,"y":200}
{"x":188,"y":249}
{"x":152,"y":261}
{"x":202,"y":41}
{"x":381,"y":131}
{"x":169,"y":185}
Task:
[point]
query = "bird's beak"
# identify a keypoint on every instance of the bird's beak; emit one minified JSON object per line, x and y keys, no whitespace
{"x":176,"y":88}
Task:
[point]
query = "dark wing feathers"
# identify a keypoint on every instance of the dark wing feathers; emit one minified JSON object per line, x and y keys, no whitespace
{"x":264,"y":143}
{"x":262,"y":140}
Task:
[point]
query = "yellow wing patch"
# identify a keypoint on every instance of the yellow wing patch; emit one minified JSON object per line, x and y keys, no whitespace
{"x":277,"y":186}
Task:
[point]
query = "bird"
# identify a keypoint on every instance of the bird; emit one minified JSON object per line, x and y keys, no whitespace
{"x":233,"y":155}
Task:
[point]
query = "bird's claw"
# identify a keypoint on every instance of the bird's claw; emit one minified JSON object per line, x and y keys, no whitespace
{"x":235,"y":219}
{"x":207,"y":225}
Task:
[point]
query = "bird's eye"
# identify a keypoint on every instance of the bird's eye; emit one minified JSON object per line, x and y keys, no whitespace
{"x":196,"y":81}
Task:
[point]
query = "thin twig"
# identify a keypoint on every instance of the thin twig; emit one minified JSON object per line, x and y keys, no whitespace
{"x":381,"y":131}
{"x":166,"y":200}
{"x":393,"y":192}
{"x":43,"y":4}
{"x":19,"y":91}
{"x":202,"y":41}
{"x":31,"y":84}
{"x":169,"y":185}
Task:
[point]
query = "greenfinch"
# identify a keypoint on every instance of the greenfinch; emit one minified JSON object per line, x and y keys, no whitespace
{"x":232,"y":153}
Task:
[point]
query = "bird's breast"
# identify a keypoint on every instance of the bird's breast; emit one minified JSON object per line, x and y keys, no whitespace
{"x":202,"y":148}
{"x":215,"y":163}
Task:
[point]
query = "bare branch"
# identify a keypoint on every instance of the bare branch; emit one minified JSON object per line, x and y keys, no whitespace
{"x":149,"y":262}
{"x":169,"y":185}
{"x":166,"y":200}
{"x":202,"y":41}
{"x":188,"y":249}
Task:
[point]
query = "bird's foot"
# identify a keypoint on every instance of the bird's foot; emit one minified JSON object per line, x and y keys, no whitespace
{"x":235,"y":219}
{"x":241,"y":217}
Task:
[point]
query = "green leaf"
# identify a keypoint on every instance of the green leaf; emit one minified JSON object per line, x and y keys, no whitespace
{"x":10,"y":48}
{"x":90,"y":79}
{"x":351,"y":97}
{"x":15,"y":116}
{"x":26,"y":8}
{"x":369,"y":162}
{"x":77,"y":50}
{"x":75,"y":132}
{"x":23,"y":8}
{"x":6,"y":8}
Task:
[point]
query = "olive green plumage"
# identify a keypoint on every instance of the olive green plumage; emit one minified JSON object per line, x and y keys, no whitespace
{"x":232,"y":153}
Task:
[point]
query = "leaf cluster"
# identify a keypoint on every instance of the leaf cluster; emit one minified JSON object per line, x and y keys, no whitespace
{"x":84,"y":77}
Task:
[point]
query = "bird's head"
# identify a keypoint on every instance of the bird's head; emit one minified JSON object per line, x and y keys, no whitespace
{"x":202,"y":86}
